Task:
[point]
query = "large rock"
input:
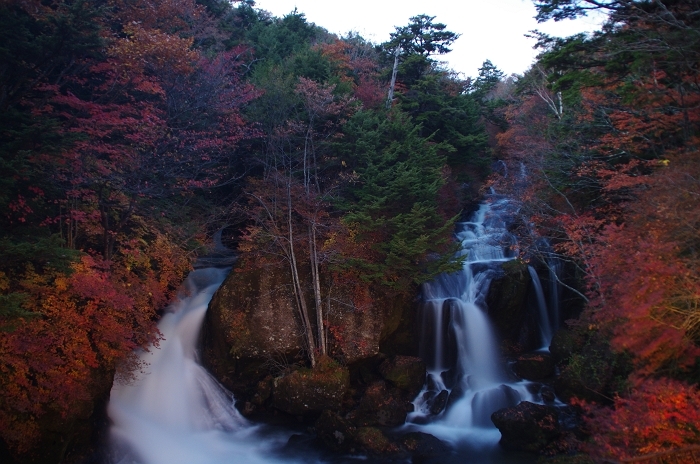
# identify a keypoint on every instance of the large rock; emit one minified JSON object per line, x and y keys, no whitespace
{"x":373,"y":441}
{"x":334,"y":432}
{"x":252,"y":328}
{"x":257,"y":314}
{"x":424,"y":447}
{"x":404,"y":372}
{"x":380,"y":406}
{"x":527,"y":426}
{"x":506,"y":299}
{"x":307,"y":391}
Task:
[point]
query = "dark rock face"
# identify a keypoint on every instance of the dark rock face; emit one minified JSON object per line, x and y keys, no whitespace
{"x":334,"y":432}
{"x":439,"y":403}
{"x":311,"y":390}
{"x":527,"y":426}
{"x":423,"y":446}
{"x":534,"y":366}
{"x":373,"y":441}
{"x":506,"y":300}
{"x":404,"y":372}
{"x":252,"y":330}
{"x":380,"y":407}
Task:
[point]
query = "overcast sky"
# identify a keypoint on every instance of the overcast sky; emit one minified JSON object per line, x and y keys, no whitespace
{"x":490,"y":29}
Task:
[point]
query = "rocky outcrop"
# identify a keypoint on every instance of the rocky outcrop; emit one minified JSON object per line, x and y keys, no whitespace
{"x":305,"y":391}
{"x":507,"y":302}
{"x":379,"y":406}
{"x":335,"y":433}
{"x":527,"y":426}
{"x":251,"y":332}
{"x":424,"y":447}
{"x":404,"y":372}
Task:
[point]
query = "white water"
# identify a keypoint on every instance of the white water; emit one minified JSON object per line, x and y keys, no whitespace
{"x":544,"y":316}
{"x":458,"y":343}
{"x":175,"y":411}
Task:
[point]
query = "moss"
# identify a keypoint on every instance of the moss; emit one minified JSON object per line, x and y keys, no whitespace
{"x":374,"y":441}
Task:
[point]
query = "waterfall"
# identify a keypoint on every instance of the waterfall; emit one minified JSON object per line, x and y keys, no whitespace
{"x":547,"y":301}
{"x":174,"y":411}
{"x":466,"y":381}
{"x":543,"y":313}
{"x":555,"y":288}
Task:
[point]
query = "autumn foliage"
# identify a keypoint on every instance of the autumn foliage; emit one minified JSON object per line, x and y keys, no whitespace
{"x":658,"y":415}
{"x":113,"y":120}
{"x":610,"y":177}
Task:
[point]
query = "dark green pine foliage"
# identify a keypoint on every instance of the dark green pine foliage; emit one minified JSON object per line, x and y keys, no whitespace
{"x":452,"y":118}
{"x":391,"y":200}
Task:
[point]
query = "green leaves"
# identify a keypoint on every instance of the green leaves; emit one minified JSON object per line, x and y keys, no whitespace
{"x":391,"y":200}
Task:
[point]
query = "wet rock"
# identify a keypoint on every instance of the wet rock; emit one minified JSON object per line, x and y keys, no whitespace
{"x":439,"y":403}
{"x":334,"y":432}
{"x":263,"y":391}
{"x":450,"y":377}
{"x":547,"y":394}
{"x":527,"y":426}
{"x":423,"y":447}
{"x":311,"y":390}
{"x":404,"y":372}
{"x":487,"y":401}
{"x":373,"y":441}
{"x":506,"y":299}
{"x":534,"y":366}
{"x":380,"y":406}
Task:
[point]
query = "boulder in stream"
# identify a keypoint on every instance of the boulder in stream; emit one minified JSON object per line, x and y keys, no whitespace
{"x":305,"y":391}
{"x":527,"y":426}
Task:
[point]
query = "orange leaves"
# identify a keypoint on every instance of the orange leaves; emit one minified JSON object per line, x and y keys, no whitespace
{"x":145,"y":49}
{"x":648,"y":282}
{"x":88,"y":322}
{"x":658,"y":415}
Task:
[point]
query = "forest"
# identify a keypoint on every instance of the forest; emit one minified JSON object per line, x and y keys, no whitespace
{"x":132,"y":131}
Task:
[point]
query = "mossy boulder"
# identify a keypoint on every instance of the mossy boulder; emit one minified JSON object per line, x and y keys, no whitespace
{"x":334,"y":432}
{"x":379,"y":406}
{"x":404,"y":372}
{"x":373,"y":441}
{"x":527,"y":426}
{"x":424,"y":447}
{"x":306,"y":391}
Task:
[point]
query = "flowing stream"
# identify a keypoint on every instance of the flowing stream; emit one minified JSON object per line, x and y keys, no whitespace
{"x":173,"y":411}
{"x":466,"y":379}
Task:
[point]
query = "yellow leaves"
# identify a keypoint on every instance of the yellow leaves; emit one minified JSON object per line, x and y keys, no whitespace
{"x":61,"y":283}
{"x":4,"y":282}
{"x":150,"y":48}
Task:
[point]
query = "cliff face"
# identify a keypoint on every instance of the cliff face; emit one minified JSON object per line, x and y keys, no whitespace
{"x":252,"y":329}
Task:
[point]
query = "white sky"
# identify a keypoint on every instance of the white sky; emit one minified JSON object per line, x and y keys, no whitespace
{"x":491,"y":29}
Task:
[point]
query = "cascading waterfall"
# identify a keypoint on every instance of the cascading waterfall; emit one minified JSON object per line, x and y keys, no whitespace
{"x":545,"y":324}
{"x":465,"y":382}
{"x":174,"y":411}
{"x":547,"y":301}
{"x":554,"y":267}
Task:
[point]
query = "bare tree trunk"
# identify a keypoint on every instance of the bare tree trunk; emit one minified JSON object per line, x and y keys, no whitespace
{"x":298,"y":290}
{"x":390,"y":98}
{"x":315,"y":276}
